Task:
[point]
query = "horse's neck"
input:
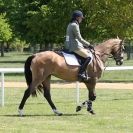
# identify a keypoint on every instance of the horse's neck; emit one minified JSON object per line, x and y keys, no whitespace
{"x":103,"y":51}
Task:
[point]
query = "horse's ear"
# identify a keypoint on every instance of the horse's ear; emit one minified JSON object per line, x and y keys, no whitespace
{"x":118,"y":37}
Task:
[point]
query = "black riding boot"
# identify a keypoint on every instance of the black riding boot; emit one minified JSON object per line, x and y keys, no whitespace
{"x":82,"y":74}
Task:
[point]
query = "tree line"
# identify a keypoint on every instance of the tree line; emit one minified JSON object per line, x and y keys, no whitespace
{"x":43,"y":22}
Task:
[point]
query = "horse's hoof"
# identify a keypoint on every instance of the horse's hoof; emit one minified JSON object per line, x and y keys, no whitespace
{"x":57,"y":112}
{"x":92,"y":112}
{"x":78,"y":108}
{"x":21,"y":113}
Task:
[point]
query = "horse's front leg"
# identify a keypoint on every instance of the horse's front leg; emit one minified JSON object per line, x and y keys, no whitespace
{"x":91,"y":97}
{"x":90,"y":108}
{"x":78,"y":108}
{"x":88,"y":105}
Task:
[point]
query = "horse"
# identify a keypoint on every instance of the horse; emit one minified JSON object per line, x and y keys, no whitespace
{"x":40,"y":66}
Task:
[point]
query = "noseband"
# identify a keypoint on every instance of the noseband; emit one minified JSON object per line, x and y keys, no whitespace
{"x":119,"y":51}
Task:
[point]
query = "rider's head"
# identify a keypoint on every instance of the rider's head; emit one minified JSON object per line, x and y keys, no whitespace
{"x":78,"y":16}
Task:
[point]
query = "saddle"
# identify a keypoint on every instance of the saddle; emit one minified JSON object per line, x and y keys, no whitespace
{"x":71,"y":58}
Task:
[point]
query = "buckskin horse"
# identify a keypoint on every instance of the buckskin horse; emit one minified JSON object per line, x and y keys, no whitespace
{"x":40,"y":66}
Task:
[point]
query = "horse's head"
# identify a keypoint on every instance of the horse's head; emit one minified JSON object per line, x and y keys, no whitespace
{"x":118,"y":52}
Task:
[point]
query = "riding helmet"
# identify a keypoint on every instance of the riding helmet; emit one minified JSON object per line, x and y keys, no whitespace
{"x":76,"y":14}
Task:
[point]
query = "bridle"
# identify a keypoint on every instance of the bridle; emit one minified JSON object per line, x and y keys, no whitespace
{"x":114,"y":55}
{"x":117,"y":55}
{"x":120,"y":50}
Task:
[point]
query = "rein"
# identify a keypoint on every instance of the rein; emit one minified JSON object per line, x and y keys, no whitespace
{"x":112,"y":55}
{"x":96,"y":58}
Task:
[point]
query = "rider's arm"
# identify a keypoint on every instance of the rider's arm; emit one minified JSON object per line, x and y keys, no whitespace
{"x":76,"y":32}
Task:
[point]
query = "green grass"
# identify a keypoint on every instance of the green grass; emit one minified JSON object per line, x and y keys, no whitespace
{"x":13,"y":59}
{"x":114,"y":113}
{"x":117,"y":76}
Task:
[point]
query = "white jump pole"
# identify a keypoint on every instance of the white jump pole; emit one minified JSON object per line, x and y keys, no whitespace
{"x":2,"y":89}
{"x":78,"y":92}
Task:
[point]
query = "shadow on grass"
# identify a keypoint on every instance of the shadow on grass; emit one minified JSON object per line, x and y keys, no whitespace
{"x":116,"y":99}
{"x":11,"y":104}
{"x":14,"y":62}
{"x":37,"y":115}
{"x":122,"y":99}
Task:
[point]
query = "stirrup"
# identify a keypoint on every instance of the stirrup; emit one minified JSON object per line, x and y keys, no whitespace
{"x":83,"y":78}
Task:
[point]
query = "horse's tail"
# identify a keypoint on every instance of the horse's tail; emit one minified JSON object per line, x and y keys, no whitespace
{"x":28,"y":75}
{"x":27,"y":71}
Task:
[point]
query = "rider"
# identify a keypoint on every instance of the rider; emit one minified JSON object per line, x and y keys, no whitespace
{"x":75,"y":43}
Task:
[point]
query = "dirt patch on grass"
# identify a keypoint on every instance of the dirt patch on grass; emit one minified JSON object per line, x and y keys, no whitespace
{"x":73,"y":85}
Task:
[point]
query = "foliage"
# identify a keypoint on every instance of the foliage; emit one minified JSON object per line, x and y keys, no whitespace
{"x":108,"y":18}
{"x":45,"y":22}
{"x":18,"y":45}
{"x":5,"y":30}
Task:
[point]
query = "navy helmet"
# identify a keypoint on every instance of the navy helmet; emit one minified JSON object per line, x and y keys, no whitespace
{"x":76,"y":14}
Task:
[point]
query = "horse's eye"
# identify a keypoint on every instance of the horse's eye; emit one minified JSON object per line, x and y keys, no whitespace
{"x":123,"y":48}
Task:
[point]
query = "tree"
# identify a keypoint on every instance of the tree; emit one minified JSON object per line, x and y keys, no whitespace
{"x":45,"y":22}
{"x":5,"y":32}
{"x":108,"y":18}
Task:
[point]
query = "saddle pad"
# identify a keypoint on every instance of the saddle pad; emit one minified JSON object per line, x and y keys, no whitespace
{"x":71,"y":59}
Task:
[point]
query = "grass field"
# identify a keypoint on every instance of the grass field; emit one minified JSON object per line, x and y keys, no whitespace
{"x":114,"y":108}
{"x":114,"y":113}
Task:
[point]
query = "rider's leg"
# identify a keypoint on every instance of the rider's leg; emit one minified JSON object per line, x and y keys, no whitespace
{"x":86,"y":54}
{"x":82,"y":74}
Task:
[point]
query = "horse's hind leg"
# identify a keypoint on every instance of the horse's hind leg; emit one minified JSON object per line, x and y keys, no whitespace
{"x":27,"y":93}
{"x":25,"y":97}
{"x":47,"y":95}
